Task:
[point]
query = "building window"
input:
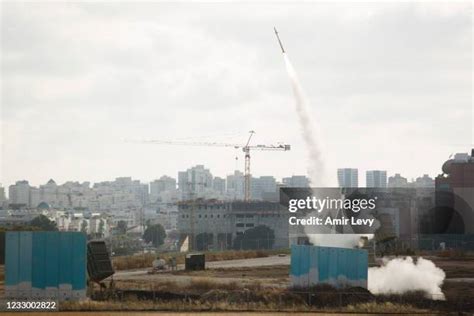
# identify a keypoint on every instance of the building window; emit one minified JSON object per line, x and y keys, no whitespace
{"x":240,"y":225}
{"x":249,"y":225}
{"x":240,"y":216}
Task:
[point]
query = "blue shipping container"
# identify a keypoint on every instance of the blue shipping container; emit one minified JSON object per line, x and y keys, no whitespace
{"x":45,"y":265}
{"x":339,"y":267}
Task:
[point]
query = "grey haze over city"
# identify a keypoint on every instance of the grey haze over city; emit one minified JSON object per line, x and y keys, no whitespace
{"x":389,"y":83}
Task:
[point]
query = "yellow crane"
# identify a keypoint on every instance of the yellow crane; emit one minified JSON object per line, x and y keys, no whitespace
{"x":246,"y":148}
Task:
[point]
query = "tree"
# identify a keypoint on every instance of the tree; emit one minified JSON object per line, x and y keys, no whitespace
{"x":101,"y":228}
{"x":43,"y":223}
{"x":155,"y":234}
{"x":260,"y":237}
{"x":84,"y":226}
{"x":122,"y":227}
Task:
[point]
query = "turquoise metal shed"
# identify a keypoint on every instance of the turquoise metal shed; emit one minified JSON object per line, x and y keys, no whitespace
{"x":45,"y":265}
{"x":339,"y":267}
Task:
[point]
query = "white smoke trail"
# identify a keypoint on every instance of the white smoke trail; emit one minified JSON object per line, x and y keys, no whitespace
{"x":396,"y":275}
{"x":316,"y":163}
{"x":401,"y":275}
{"x":311,"y":135}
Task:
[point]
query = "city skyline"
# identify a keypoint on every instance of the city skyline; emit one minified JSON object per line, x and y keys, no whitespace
{"x":361,"y":183}
{"x":79,"y":78}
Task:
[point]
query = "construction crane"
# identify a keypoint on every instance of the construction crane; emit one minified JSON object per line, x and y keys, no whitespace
{"x":246,"y":148}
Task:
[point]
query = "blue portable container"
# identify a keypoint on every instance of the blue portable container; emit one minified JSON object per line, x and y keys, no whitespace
{"x":339,"y":267}
{"x":45,"y":265}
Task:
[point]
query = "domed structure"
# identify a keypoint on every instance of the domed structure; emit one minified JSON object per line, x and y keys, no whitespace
{"x":447,"y":166}
{"x":43,"y":206}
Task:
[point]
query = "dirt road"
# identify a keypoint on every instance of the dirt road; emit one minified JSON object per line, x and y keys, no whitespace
{"x":239,"y":263}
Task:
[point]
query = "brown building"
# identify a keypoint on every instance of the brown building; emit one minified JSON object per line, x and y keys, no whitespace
{"x":455,"y":196}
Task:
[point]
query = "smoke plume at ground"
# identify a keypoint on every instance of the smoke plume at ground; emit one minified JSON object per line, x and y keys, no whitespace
{"x":402,"y":275}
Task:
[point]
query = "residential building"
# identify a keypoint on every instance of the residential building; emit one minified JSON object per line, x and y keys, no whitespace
{"x":348,"y":177}
{"x":397,"y":181}
{"x":19,"y":193}
{"x":235,"y":186}
{"x":296,"y":182}
{"x":376,"y":179}
{"x":196,"y":182}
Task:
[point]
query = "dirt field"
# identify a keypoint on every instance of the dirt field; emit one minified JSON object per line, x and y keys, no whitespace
{"x":455,"y":268}
{"x":268,"y":275}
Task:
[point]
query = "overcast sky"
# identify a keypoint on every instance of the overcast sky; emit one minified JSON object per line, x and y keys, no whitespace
{"x":389,"y":84}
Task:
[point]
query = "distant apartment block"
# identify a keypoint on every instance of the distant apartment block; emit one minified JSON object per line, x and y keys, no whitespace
{"x":296,"y":182}
{"x":348,"y":177}
{"x":19,"y":193}
{"x":376,"y":179}
{"x":397,"y":181}
{"x":424,"y":182}
{"x":195,"y":182}
{"x":235,"y":185}
{"x":163,"y":186}
{"x":218,"y":184}
{"x":263,"y":188}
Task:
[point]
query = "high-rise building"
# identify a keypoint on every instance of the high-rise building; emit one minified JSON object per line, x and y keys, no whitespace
{"x":163,"y":184}
{"x":296,"y":182}
{"x":194,"y":182}
{"x":397,"y":181}
{"x":218,"y":185}
{"x":235,"y":185}
{"x":260,"y":186}
{"x":19,"y":193}
{"x":424,"y":182}
{"x":376,"y":179}
{"x":2,"y":195}
{"x":348,"y":177}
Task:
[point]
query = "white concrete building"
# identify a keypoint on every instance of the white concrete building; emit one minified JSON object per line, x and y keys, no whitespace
{"x":160,"y":186}
{"x":196,"y":182}
{"x":235,"y":186}
{"x":19,"y":193}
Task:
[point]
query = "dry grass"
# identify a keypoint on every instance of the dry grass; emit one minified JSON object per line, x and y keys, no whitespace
{"x":386,"y":307}
{"x":145,"y":260}
{"x":456,"y":254}
{"x":195,"y":286}
{"x":270,"y":305}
